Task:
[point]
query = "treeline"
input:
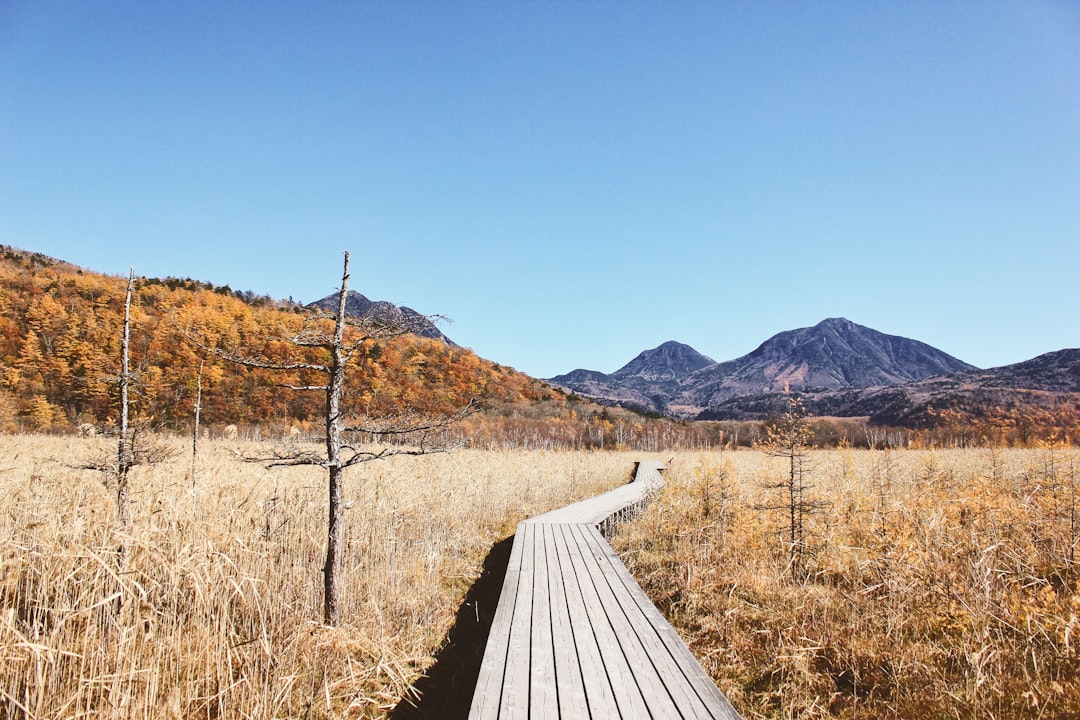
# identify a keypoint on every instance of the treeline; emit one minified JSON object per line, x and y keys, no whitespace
{"x":60,"y":333}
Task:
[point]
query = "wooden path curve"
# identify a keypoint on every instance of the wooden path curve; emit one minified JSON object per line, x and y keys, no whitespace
{"x":574,"y":636}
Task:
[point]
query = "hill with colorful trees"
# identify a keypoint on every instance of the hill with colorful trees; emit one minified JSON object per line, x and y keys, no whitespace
{"x":60,"y":337}
{"x":60,"y":334}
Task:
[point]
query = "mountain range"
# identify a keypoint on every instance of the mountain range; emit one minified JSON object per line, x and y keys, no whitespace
{"x":838,"y":367}
{"x":358,"y":305}
{"x":60,"y":321}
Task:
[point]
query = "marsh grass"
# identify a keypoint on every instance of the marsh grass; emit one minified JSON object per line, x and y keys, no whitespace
{"x":217,"y":611}
{"x":939,"y":584}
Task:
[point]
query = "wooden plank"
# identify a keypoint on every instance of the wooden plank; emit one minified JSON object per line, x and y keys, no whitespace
{"x":658,"y":696}
{"x":489,"y":683}
{"x":700,"y":680}
{"x":616,"y":665}
{"x":595,"y":510}
{"x":599,"y":694}
{"x":694,"y":692}
{"x":543,"y":693}
{"x":574,"y":636}
{"x":572,"y":700}
{"x":624,"y":604}
{"x":515,"y":690}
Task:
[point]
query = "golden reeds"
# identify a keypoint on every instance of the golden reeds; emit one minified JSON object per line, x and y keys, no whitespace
{"x":938,"y":584}
{"x":216,"y":610}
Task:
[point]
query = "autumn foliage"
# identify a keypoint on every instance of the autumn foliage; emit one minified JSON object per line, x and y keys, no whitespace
{"x":59,"y":364}
{"x":59,"y":350}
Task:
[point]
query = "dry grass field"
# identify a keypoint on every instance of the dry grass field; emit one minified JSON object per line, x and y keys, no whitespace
{"x":937,"y":584}
{"x":215,"y":611}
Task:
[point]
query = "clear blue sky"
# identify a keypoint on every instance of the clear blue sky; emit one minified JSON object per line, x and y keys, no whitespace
{"x":570,"y":182}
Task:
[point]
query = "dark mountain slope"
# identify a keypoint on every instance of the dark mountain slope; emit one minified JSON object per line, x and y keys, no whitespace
{"x":669,"y":362}
{"x":835,"y":354}
{"x":1043,"y":387}
{"x":1053,"y":371}
{"x":646,"y":382}
{"x":359,"y":306}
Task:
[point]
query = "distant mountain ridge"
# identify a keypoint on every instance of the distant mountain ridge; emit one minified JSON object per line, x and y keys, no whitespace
{"x":837,"y":367}
{"x":835,"y":354}
{"x":646,"y":382}
{"x":357,"y":305}
{"x":1045,"y":385}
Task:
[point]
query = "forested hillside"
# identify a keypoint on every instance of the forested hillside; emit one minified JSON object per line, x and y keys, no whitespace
{"x":60,"y":334}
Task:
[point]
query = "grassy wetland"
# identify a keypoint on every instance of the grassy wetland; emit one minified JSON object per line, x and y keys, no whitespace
{"x":216,"y":610}
{"x":936,"y":584}
{"x":932,"y":583}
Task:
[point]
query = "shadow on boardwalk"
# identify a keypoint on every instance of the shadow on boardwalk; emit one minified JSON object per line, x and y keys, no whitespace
{"x":446,"y":690}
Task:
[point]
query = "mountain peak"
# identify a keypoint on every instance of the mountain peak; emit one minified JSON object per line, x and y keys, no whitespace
{"x":670,"y":361}
{"x":644,"y":383}
{"x":357,"y":305}
{"x":835,"y":354}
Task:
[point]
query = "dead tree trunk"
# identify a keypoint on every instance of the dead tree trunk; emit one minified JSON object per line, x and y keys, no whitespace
{"x":335,"y":528}
{"x":125,"y":457}
{"x":195,"y":432}
{"x":328,"y":354}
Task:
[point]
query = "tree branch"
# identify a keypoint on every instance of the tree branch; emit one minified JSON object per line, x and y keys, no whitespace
{"x":249,"y":361}
{"x":409,"y":423}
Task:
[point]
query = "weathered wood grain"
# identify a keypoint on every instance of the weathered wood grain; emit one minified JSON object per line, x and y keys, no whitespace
{"x":575,"y":637}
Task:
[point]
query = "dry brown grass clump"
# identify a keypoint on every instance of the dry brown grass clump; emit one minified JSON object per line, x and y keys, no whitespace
{"x":214,"y":611}
{"x":939,"y":584}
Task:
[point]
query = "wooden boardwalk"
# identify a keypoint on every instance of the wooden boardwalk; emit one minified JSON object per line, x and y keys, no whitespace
{"x":574,"y":636}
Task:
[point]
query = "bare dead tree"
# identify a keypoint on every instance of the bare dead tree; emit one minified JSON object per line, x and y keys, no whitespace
{"x":125,"y":457}
{"x":195,"y":430}
{"x":136,"y":445}
{"x":339,"y":339}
